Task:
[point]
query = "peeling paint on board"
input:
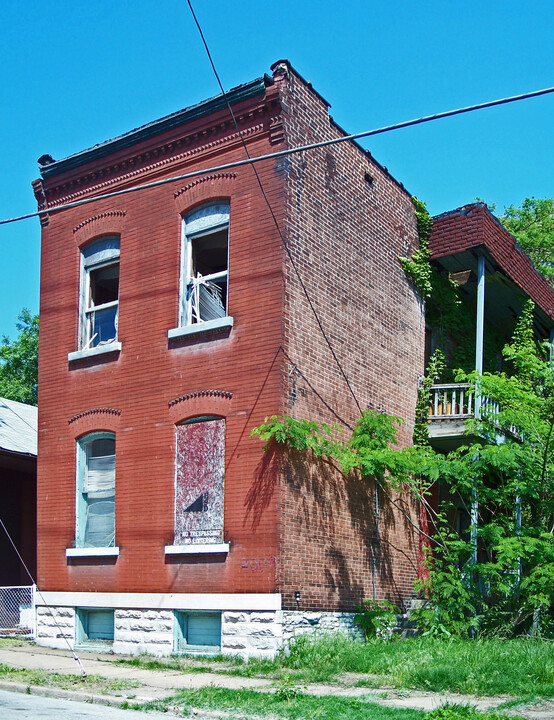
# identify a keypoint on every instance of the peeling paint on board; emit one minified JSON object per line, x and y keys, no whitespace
{"x":200,"y":470}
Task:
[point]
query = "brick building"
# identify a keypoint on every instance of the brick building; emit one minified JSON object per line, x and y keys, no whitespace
{"x":172,"y":323}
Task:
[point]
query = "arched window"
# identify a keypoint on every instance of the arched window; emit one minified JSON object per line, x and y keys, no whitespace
{"x":199,"y":480}
{"x":99,"y":301}
{"x":205,"y":264}
{"x":95,"y":516}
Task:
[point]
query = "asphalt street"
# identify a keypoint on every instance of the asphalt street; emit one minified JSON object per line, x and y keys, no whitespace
{"x":19,"y":706}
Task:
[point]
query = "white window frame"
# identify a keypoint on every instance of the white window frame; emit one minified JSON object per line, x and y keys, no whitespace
{"x":81,"y":509}
{"x":99,"y":253}
{"x":203,"y":221}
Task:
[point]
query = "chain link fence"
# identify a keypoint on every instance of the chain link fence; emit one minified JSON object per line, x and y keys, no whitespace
{"x":17,"y":611}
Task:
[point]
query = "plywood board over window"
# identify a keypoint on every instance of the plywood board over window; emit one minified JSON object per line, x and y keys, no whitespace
{"x":199,"y":482}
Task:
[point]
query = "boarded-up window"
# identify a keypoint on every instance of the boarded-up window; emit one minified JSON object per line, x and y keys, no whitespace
{"x":199,"y":481}
{"x":96,"y":490}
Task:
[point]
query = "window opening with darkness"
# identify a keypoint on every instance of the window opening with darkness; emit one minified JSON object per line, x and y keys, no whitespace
{"x":100,"y":293}
{"x":96,"y":491}
{"x":205,"y":264}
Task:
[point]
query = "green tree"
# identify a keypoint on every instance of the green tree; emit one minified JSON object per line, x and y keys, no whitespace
{"x":499,"y":575}
{"x":533,"y":226}
{"x":19,"y":361}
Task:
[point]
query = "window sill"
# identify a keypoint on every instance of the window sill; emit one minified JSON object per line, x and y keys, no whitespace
{"x":202,"y":327}
{"x":93,"y":352}
{"x":92,"y":552}
{"x":197,"y":549}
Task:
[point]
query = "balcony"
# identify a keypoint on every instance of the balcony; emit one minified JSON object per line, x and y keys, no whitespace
{"x":452,"y":404}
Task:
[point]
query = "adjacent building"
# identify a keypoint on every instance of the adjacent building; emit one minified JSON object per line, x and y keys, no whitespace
{"x":18,"y":487}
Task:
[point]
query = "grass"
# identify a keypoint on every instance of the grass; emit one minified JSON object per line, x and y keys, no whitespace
{"x":250,"y":703}
{"x":522,"y":667}
{"x":12,"y":642}
{"x":65,"y":682}
{"x":450,"y":711}
{"x":518,"y":667}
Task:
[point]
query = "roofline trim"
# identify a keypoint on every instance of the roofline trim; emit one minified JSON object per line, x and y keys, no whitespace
{"x":157,"y":127}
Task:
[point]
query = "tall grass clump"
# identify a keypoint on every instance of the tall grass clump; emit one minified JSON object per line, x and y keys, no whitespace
{"x":519,"y":666}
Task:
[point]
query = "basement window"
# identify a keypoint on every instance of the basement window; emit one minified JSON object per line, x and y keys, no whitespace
{"x":94,"y":627}
{"x":197,"y":633}
{"x":205,"y":265}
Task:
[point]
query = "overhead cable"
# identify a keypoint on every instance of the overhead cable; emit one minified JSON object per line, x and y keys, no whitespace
{"x":274,"y":218}
{"x":283,"y":153}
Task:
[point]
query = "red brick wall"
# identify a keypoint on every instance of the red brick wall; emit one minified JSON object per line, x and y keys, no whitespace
{"x":345,"y":232}
{"x":291,"y":527}
{"x":150,"y":373}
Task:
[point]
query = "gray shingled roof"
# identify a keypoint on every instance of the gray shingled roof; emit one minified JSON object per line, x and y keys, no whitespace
{"x":18,"y":427}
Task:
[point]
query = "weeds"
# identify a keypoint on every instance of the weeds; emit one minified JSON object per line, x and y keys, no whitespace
{"x":65,"y":682}
{"x":452,"y":711}
{"x":291,"y":707}
{"x":484,"y":667}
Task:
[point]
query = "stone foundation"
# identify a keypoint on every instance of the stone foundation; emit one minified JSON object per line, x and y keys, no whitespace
{"x":143,"y":631}
{"x":151,"y":631}
{"x":56,"y":627}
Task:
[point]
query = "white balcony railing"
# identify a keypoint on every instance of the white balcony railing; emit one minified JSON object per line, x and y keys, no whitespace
{"x":452,"y":401}
{"x":456,"y":402}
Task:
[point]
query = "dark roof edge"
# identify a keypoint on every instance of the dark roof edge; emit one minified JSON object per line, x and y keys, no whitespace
{"x":467,"y":206}
{"x":157,"y":127}
{"x":307,"y":83}
{"x":333,"y":122}
{"x":371,"y":157}
{"x":18,"y":453}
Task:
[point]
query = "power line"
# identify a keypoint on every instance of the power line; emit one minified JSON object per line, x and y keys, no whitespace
{"x":275,"y":222}
{"x":62,"y":633}
{"x":283,"y":153}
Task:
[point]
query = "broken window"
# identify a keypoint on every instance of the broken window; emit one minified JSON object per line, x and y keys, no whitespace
{"x":199,"y":477}
{"x":96,"y":490}
{"x":205,"y":264}
{"x":99,"y":293}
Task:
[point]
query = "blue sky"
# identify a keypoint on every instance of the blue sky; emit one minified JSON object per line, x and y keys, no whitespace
{"x":75,"y":73}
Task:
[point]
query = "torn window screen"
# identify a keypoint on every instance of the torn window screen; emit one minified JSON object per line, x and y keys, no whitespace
{"x":205,"y":264}
{"x":200,"y":456}
{"x":99,"y":294}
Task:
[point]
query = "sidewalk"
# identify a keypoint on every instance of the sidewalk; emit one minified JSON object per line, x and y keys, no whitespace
{"x":163,"y":684}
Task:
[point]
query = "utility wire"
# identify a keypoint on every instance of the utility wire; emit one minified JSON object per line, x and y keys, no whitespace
{"x":62,"y":634}
{"x":312,"y":388}
{"x":283,"y":153}
{"x":275,"y":221}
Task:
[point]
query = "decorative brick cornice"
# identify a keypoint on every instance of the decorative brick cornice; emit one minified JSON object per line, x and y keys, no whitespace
{"x":105,"y":178}
{"x":276,"y":130}
{"x":202,"y":394}
{"x":204,"y":179}
{"x":38,"y":189}
{"x":101,"y":216}
{"x":94,"y":411}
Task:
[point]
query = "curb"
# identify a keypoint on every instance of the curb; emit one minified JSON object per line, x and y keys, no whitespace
{"x":42,"y":691}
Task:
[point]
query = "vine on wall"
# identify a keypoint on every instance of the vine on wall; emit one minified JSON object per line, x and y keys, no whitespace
{"x":418,"y":267}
